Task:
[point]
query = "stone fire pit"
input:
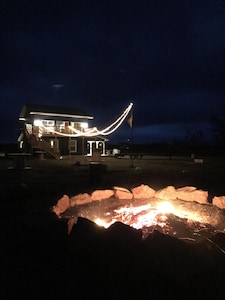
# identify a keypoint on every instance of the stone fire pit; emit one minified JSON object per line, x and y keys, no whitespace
{"x":184,"y":213}
{"x":127,"y":244}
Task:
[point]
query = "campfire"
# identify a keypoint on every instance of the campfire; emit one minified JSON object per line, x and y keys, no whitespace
{"x":164,"y":218}
{"x":127,"y":243}
{"x":147,"y":210}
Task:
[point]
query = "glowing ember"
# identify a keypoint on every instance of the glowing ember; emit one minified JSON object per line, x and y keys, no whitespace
{"x":103,"y":223}
{"x":140,"y":217}
{"x":164,"y":216}
{"x":174,"y":217}
{"x":165,"y":207}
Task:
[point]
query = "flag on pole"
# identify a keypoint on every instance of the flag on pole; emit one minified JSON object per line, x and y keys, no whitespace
{"x":130,"y":120}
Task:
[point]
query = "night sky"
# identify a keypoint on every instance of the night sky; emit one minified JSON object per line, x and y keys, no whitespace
{"x":167,"y":57}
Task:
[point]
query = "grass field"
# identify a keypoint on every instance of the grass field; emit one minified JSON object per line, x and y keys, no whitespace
{"x":49,"y":179}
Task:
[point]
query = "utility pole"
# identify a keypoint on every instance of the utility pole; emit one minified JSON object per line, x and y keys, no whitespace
{"x":130,"y":122}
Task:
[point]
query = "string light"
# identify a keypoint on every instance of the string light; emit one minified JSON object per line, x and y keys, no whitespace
{"x":94,"y":131}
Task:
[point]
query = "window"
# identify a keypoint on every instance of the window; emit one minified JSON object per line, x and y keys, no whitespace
{"x":60,"y":126}
{"x":79,"y":125}
{"x":73,"y":146}
{"x":49,"y":124}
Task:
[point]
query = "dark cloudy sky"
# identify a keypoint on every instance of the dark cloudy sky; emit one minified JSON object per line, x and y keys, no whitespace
{"x":167,"y":57}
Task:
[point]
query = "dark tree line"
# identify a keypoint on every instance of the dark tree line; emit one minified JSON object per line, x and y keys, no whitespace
{"x":218,"y":131}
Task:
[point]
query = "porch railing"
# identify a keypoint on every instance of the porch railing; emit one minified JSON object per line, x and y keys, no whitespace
{"x":37,"y":143}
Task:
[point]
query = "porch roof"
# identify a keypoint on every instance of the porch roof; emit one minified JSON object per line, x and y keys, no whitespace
{"x":53,"y":111}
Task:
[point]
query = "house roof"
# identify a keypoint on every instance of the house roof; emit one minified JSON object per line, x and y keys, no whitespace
{"x":53,"y":111}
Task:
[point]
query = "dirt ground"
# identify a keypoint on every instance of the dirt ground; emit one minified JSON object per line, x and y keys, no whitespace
{"x":39,"y":261}
{"x":49,"y":179}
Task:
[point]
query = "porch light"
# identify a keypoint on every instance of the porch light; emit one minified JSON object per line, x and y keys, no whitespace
{"x":21,"y":145}
{"x":84,"y":125}
{"x":37,"y":122}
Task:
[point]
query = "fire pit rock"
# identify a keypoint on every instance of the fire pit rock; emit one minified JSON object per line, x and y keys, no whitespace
{"x":143,"y":191}
{"x":219,"y":201}
{"x":188,"y":203}
{"x":187,"y":193}
{"x":122,"y":193}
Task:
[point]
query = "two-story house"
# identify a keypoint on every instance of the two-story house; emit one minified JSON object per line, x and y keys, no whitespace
{"x":57,"y":131}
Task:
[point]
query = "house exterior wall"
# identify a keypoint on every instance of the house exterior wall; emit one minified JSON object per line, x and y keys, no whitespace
{"x":64,"y":145}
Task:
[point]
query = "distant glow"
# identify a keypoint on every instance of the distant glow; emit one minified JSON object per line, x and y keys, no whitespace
{"x":37,"y":122}
{"x":58,"y":86}
{"x":91,"y":132}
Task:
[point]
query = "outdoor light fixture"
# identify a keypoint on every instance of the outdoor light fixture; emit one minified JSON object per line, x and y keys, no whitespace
{"x":84,"y":125}
{"x":37,"y":122}
{"x":21,"y":145}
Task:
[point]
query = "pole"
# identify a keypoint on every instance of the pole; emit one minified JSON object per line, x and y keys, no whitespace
{"x":130,"y":121}
{"x":131,"y":146}
{"x":82,"y":145}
